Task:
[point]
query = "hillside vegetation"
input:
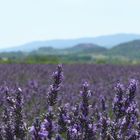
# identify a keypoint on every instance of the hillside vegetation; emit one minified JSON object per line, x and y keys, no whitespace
{"x":125,"y":53}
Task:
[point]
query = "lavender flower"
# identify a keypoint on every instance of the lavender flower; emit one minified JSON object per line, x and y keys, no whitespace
{"x":58,"y":137}
{"x":55,"y":87}
{"x":118,"y":103}
{"x":131,"y":92}
{"x":62,"y":120}
{"x":19,"y":125}
{"x":90,"y":133}
{"x":73,"y":133}
{"x":48,"y":124}
{"x":104,"y":125}
{"x":85,"y":93}
{"x":103,"y":104}
{"x":84,"y":120}
{"x":133,"y":135}
{"x":8,"y":129}
{"x":1,"y":137}
{"x":37,"y":131}
{"x":7,"y":116}
{"x":132,"y":89}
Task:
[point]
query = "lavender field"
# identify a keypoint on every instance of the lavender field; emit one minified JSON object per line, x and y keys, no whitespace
{"x":69,"y":102}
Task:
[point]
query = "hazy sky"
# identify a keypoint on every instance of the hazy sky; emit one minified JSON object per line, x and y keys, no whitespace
{"x":28,"y":20}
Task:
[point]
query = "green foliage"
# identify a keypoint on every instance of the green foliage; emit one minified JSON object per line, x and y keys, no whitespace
{"x":41,"y":59}
{"x":126,"y":53}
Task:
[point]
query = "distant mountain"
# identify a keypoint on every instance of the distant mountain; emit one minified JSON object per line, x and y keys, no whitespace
{"x":110,"y":41}
{"x":130,"y":49}
{"x":77,"y":49}
{"x":107,"y":41}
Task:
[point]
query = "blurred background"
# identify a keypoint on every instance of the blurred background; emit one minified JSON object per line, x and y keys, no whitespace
{"x":70,"y":31}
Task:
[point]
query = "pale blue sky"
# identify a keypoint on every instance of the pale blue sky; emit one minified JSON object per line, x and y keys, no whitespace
{"x":23,"y":21}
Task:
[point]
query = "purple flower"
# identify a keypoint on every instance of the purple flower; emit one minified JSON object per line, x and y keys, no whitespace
{"x":37,"y":131}
{"x":55,"y":87}
{"x":85,"y":93}
{"x":19,"y":125}
{"x":118,"y":103}
{"x":58,"y":137}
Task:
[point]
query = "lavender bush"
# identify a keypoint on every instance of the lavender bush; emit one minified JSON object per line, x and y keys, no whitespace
{"x":33,"y":110}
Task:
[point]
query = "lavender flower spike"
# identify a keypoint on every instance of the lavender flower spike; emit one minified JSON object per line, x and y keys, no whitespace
{"x":19,"y":125}
{"x":55,"y":87}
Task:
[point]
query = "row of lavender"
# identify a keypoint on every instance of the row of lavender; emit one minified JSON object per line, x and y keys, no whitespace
{"x":81,"y":119}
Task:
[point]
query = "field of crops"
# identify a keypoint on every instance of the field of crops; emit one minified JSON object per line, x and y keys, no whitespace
{"x":69,"y":102}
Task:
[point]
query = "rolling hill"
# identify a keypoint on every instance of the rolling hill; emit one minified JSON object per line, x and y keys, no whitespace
{"x":86,"y":48}
{"x":108,"y":41}
{"x":130,"y":50}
